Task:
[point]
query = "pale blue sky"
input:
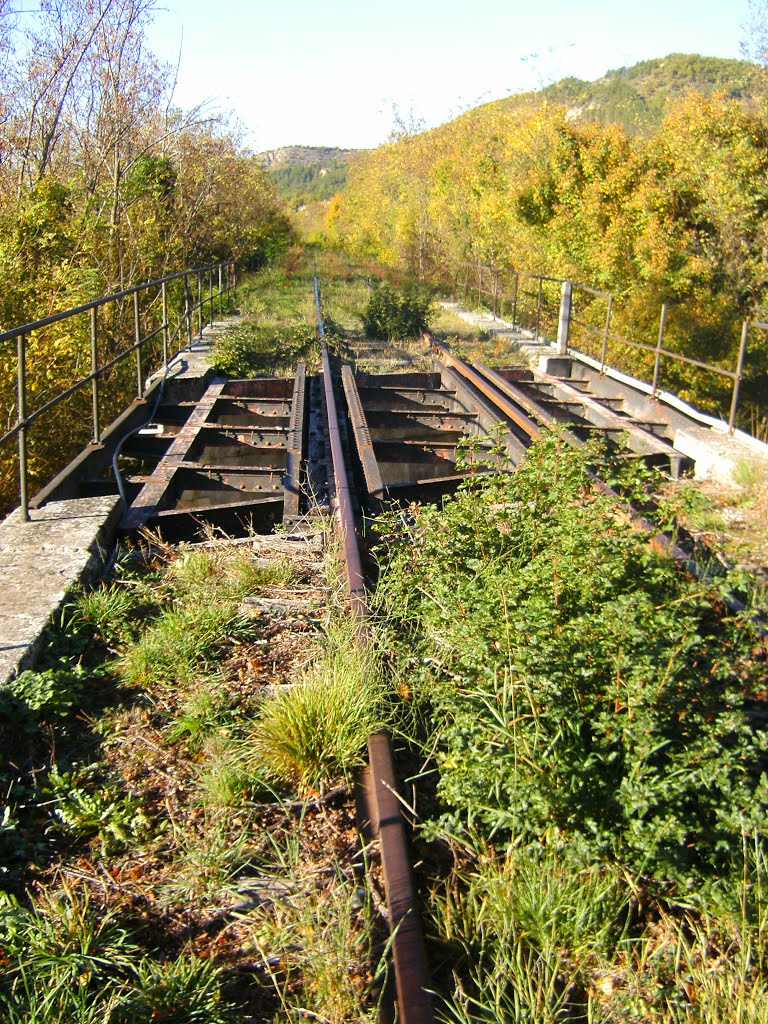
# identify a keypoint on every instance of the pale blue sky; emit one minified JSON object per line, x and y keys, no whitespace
{"x":297,"y":72}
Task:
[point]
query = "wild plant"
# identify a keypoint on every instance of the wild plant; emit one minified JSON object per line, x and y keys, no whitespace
{"x":584,"y":689}
{"x":182,"y":642}
{"x":401,"y":313}
{"x":85,"y":805}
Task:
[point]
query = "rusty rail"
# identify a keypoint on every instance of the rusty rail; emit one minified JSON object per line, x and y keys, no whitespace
{"x":384,"y":813}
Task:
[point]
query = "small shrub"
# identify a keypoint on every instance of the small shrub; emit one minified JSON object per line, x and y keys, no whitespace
{"x":398,"y":312}
{"x":586,"y":691}
{"x":252,"y":349}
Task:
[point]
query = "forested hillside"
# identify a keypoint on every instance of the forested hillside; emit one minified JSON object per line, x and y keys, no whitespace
{"x":637,"y":97}
{"x":307,"y":174}
{"x":676,"y":216}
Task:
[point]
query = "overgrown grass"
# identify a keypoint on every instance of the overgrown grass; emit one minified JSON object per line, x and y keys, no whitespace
{"x":278,"y":322}
{"x":133,"y":823}
{"x":314,"y":734}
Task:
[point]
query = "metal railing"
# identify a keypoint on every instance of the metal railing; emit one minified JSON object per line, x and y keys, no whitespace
{"x":201,"y":288}
{"x":480,"y":280}
{"x":530,"y":298}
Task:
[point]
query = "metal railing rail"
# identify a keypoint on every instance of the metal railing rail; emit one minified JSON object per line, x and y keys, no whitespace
{"x":486,"y":273}
{"x":225,"y":277}
{"x":487,"y":281}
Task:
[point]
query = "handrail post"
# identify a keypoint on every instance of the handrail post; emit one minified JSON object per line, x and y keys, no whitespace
{"x":657,"y":361}
{"x":95,"y":380}
{"x":234,"y":286}
{"x":604,"y":353}
{"x":738,"y":378}
{"x":564,"y":324}
{"x":137,"y":342}
{"x":164,"y":294}
{"x":514,"y":300}
{"x":187,"y":312}
{"x":495,"y":291}
{"x":200,"y":303}
{"x":479,"y":284}
{"x":538,"y":311}
{"x":210,"y":297}
{"x":221,"y":308}
{"x":21,"y":392}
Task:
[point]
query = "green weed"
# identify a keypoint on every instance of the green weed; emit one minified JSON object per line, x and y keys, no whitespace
{"x":86,"y":806}
{"x":563,"y":662}
{"x":61,"y":957}
{"x":314,"y":734}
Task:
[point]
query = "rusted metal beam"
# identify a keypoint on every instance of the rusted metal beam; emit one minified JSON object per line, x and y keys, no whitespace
{"x":294,"y":457}
{"x":153,"y":493}
{"x":510,"y":409}
{"x":344,"y":507}
{"x":374,"y":486}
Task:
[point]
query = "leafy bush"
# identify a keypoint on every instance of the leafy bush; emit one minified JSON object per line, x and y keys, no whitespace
{"x":253,"y":350}
{"x":398,"y":312}
{"x":588,"y":692}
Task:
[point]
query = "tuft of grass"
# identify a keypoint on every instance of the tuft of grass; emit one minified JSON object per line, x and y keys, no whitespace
{"x":61,"y":957}
{"x":181,"y":643}
{"x":109,"y":611}
{"x":182,"y":991}
{"x":314,"y":734}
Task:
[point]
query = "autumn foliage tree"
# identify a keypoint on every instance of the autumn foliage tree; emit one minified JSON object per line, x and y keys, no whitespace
{"x":677,"y":215}
{"x":105,"y":182}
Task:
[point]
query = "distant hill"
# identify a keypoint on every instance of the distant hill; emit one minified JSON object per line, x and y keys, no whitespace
{"x":307,"y":174}
{"x":637,"y":97}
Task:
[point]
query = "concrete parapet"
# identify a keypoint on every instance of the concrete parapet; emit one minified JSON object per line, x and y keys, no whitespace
{"x":63,"y":544}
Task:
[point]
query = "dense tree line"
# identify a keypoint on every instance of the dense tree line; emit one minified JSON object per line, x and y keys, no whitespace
{"x":677,"y":216}
{"x":103,"y":180}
